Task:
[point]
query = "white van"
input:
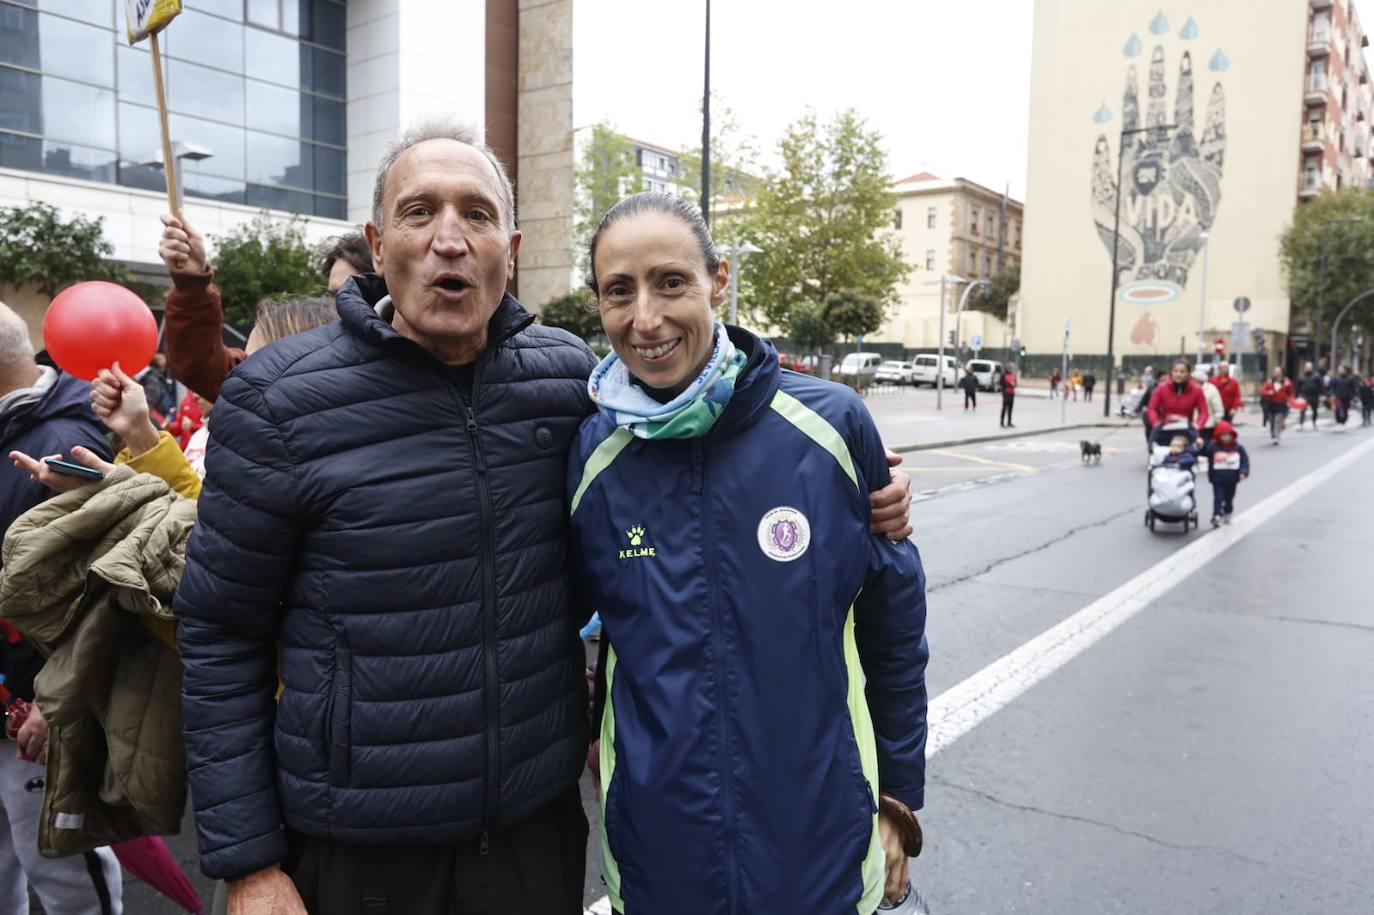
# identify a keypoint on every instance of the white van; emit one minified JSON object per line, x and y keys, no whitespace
{"x":987,"y":372}
{"x":859,"y":366}
{"x":925,"y":370}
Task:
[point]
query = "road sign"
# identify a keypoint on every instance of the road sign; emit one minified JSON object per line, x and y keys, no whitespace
{"x":976,"y":342}
{"x":1241,"y":305}
{"x":1240,"y":336}
{"x":1219,"y":347}
{"x":1066,"y":330}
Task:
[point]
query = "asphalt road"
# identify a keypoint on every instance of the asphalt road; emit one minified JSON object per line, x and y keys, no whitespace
{"x":1211,"y":754}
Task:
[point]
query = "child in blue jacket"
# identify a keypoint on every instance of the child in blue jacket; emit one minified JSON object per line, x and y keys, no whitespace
{"x":1228,"y":464}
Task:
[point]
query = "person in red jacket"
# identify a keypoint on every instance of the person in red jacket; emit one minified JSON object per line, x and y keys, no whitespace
{"x":1229,"y":389}
{"x":1274,"y":396}
{"x":1007,"y":384}
{"x":1180,"y":398}
{"x":194,"y":322}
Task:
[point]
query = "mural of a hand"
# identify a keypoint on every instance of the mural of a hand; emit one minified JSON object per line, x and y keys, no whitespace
{"x":1171,"y":178}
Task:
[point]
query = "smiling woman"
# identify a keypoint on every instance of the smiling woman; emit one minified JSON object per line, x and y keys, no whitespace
{"x":698,"y":553}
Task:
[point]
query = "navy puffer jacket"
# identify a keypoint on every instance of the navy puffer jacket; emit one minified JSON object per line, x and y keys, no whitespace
{"x":403,"y":534}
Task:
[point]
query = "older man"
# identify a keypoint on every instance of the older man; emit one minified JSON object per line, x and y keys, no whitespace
{"x":385,"y":501}
{"x":42,"y":412}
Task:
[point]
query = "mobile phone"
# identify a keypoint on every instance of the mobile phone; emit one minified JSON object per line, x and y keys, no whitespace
{"x":74,"y":470}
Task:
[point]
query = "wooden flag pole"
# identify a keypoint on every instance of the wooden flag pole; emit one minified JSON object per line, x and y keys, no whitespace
{"x":168,"y":163}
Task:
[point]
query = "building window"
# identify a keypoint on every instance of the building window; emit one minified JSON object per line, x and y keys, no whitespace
{"x":930,"y":217}
{"x":897,"y":218}
{"x":992,"y":226}
{"x":973,"y":220}
{"x":276,"y":128}
{"x":930,"y":258}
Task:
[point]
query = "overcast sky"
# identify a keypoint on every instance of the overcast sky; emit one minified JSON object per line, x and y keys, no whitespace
{"x":947,"y":84}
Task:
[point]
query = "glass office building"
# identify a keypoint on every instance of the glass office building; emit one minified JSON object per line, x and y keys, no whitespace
{"x":258,"y":84}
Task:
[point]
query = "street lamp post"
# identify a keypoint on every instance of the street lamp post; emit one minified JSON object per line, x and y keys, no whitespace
{"x":737,"y":250}
{"x":1202,"y":304}
{"x":1116,"y":250}
{"x":706,"y":127}
{"x":940,"y":359}
{"x":983,"y":283}
{"x":181,"y":152}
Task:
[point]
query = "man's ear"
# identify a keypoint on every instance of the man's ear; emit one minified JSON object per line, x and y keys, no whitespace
{"x":510,"y":254}
{"x":374,"y":242}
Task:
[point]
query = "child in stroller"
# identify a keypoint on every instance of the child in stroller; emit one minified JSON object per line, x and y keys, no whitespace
{"x":1170,"y":482}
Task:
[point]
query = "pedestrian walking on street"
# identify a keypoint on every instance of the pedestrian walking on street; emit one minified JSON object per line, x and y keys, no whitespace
{"x":1345,"y":387}
{"x":1367,"y":401}
{"x":673,"y":482}
{"x":1274,"y":398}
{"x":1089,"y":382}
{"x":1075,"y":382}
{"x":1055,"y":378}
{"x":1231,"y":397}
{"x":1227,"y":465}
{"x":1311,"y":387}
{"x":1178,"y":400}
{"x":970,"y":385}
{"x":1007,"y":385}
{"x":1150,"y":380}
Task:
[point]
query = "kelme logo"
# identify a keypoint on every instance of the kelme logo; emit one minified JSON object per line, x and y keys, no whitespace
{"x":638,"y":548}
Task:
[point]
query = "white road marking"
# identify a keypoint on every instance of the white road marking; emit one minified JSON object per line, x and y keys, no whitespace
{"x":963,"y":707}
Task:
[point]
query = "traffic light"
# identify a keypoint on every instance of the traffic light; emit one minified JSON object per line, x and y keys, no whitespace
{"x":1258,"y":336}
{"x":952,"y":339}
{"x":1021,"y":352}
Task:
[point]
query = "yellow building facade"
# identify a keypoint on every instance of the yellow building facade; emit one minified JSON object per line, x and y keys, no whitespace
{"x":950,"y":226}
{"x":1199,"y":110}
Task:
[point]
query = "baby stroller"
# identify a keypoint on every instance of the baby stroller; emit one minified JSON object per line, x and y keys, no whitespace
{"x":1170,"y":490}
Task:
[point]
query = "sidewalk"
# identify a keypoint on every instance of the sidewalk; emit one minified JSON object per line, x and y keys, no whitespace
{"x":908,"y":420}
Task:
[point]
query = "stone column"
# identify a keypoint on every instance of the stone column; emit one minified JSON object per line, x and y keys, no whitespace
{"x":545,"y":144}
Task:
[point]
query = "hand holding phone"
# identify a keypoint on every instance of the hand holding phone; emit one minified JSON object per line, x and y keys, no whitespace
{"x":67,"y":468}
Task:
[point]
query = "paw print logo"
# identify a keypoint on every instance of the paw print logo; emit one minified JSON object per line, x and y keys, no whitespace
{"x":636,"y":535}
{"x":1170,"y":184}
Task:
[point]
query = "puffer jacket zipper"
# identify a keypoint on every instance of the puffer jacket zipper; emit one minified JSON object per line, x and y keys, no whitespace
{"x":718,"y":651}
{"x":488,"y":548}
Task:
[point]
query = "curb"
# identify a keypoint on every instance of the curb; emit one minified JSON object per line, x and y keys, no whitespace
{"x":979,"y":439}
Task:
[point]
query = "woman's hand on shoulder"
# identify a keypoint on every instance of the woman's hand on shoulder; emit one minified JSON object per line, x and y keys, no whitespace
{"x":890,"y":514}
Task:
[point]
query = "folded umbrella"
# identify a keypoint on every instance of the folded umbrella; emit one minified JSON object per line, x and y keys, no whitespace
{"x":148,"y":859}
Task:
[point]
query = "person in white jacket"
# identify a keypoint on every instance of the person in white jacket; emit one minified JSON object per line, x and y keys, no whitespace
{"x":1215,"y":411}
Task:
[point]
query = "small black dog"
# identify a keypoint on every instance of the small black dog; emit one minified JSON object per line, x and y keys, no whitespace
{"x":1090,"y":451}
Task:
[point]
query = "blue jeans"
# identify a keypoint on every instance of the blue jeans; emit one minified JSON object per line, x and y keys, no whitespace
{"x":1223,"y":494}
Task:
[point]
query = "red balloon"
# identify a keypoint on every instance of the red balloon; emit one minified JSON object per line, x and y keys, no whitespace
{"x":91,"y":326}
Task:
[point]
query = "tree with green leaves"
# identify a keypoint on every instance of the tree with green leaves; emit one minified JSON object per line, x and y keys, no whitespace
{"x":1328,"y":258}
{"x":606,"y":171}
{"x":996,"y":299}
{"x":40,"y":248}
{"x":808,"y":329}
{"x":263,"y":258}
{"x":823,"y":221}
{"x":852,"y":313}
{"x":574,"y":312}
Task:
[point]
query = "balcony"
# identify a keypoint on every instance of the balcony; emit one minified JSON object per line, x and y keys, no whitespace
{"x":1312,"y":141}
{"x":1309,"y":185}
{"x":1319,"y":43}
{"x":1316,"y":90}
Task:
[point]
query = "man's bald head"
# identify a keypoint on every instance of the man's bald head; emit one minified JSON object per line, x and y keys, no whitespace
{"x":16,"y":347}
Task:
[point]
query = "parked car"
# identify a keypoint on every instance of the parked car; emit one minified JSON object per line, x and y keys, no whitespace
{"x":894,"y":372}
{"x":859,"y":366}
{"x":924,"y":372}
{"x":987,"y":372}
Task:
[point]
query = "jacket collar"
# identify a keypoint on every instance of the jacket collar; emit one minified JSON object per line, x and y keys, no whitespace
{"x":757,"y":383}
{"x":358,"y":301}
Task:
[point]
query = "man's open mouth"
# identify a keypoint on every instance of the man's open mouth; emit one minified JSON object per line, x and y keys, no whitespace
{"x":452,"y":283}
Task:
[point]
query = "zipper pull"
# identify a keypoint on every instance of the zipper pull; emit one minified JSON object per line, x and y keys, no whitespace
{"x":478,"y":457}
{"x":483,"y":846}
